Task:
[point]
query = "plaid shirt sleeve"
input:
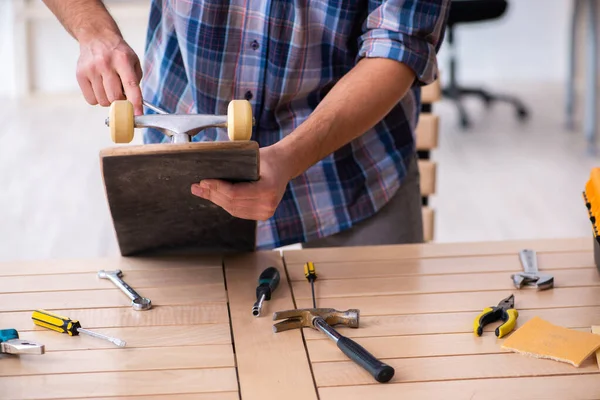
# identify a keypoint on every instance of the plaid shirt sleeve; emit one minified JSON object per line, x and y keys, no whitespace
{"x":408,"y":31}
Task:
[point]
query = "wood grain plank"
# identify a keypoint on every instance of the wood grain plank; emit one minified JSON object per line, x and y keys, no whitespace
{"x":427,"y":131}
{"x":148,"y":336}
{"x":432,"y":369}
{"x":191,"y":396}
{"x":119,"y":359}
{"x":202,"y":278}
{"x":431,"y":93}
{"x":584,"y":387}
{"x":124,"y":383}
{"x":450,"y":283}
{"x":428,"y":175}
{"x":80,"y":299}
{"x":101,"y":318}
{"x":93,"y":265}
{"x":435,"y":345}
{"x":428,"y":215}
{"x":434,"y":266}
{"x":449,"y":323}
{"x":460,"y":302}
{"x":286,"y":369}
{"x":433,"y":250}
{"x":410,"y":346}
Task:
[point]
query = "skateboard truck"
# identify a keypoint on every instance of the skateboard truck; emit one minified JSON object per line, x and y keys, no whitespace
{"x":179,"y":127}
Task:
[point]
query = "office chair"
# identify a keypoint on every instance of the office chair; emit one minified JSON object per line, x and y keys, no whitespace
{"x":469,"y":11}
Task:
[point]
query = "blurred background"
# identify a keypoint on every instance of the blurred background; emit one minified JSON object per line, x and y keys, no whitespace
{"x":499,"y":178}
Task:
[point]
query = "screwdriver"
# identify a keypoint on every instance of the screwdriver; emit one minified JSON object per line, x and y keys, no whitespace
{"x":67,"y":325}
{"x":267,"y":283}
{"x":311,"y":275}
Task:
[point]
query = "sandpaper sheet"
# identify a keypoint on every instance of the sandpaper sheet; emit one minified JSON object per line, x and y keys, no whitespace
{"x":541,"y":339}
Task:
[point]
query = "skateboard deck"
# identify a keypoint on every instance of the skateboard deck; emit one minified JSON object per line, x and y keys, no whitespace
{"x":148,"y":190}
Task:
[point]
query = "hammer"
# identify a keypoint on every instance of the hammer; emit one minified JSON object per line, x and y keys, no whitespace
{"x":321,"y":319}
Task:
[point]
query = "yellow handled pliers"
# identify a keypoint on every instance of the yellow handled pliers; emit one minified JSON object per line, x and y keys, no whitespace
{"x":504,"y":311}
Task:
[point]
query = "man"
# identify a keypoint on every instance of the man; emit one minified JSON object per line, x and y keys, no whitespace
{"x":335,"y":91}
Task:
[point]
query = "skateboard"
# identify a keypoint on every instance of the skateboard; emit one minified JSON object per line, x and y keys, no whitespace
{"x":148,"y":187}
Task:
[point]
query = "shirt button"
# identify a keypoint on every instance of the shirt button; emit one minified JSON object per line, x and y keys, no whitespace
{"x":248,"y":95}
{"x":254,"y":45}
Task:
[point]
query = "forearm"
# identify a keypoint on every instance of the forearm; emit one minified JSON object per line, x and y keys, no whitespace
{"x":359,"y":100}
{"x":84,"y":19}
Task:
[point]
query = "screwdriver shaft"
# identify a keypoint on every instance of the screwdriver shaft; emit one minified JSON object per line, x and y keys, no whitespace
{"x":258,"y":306}
{"x":312,"y":287}
{"x":118,"y":342}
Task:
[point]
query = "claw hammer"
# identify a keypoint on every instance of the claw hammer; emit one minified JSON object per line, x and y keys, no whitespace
{"x":321,"y":319}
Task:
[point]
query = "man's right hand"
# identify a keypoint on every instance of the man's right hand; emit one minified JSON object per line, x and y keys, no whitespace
{"x":108,"y":70}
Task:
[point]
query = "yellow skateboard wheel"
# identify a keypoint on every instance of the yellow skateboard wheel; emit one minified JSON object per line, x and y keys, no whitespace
{"x":239,"y":120}
{"x":121,"y":121}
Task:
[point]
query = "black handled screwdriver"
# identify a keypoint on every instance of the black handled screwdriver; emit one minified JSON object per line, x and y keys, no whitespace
{"x":311,"y":275}
{"x":267,"y":283}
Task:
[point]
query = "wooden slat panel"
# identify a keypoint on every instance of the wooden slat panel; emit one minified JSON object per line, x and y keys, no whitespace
{"x":61,"y":266}
{"x":588,"y":277}
{"x":192,"y":396}
{"x":148,"y":336}
{"x":584,"y":387}
{"x":450,"y":323}
{"x":432,"y":92}
{"x":410,"y":346}
{"x":113,"y":360}
{"x":432,"y":266}
{"x":202,"y":278}
{"x":285,"y":370}
{"x":436,"y":345}
{"x":446,"y":368}
{"x":98,"y":318}
{"x":427,"y":131}
{"x":428,"y":223}
{"x":125,"y":383}
{"x":429,"y":250}
{"x":108,"y":298}
{"x":460,"y":302}
{"x":427,"y":170}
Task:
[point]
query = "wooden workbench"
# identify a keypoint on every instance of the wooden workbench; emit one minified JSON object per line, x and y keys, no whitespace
{"x":200,"y":340}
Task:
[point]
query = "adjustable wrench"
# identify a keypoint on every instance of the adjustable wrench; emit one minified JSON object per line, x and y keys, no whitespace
{"x":531,"y":276}
{"x":138,"y":302}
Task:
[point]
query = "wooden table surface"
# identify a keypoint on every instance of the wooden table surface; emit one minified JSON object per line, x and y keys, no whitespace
{"x":200,"y":341}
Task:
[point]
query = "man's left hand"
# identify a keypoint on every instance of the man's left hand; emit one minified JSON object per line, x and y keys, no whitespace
{"x":250,"y":200}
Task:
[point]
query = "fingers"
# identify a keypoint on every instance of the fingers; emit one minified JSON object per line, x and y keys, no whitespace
{"x":242,"y":200}
{"x":86,"y":88}
{"x":131,"y":84}
{"x":99,"y":92}
{"x":106,"y":74}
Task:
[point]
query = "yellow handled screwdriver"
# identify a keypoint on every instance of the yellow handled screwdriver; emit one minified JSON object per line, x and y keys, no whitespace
{"x":67,"y":325}
{"x":311,"y":275}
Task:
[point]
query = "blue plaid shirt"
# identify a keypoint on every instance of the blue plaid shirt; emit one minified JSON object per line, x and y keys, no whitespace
{"x":284,"y":56}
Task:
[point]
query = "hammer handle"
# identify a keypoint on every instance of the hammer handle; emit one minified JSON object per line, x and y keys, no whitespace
{"x":380,"y":371}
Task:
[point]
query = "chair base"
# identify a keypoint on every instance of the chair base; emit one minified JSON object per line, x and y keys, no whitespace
{"x":457,"y":93}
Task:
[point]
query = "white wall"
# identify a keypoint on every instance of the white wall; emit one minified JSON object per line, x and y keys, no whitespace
{"x":6,"y":49}
{"x":529,"y":43}
{"x":53,"y":53}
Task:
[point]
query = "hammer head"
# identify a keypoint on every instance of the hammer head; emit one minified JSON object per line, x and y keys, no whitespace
{"x":303,"y":318}
{"x":540,"y":281}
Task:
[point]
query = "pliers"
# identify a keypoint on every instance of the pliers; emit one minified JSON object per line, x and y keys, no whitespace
{"x":503,"y":311}
{"x":11,"y":344}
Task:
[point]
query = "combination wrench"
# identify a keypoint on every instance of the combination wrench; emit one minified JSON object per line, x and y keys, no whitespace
{"x":138,"y":302}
